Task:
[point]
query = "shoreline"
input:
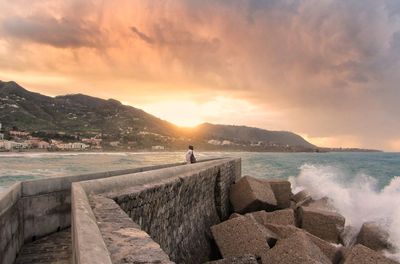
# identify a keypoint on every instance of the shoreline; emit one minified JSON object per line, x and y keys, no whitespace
{"x":183,"y":150}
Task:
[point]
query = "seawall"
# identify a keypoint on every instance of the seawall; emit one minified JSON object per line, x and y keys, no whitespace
{"x":173,"y":203}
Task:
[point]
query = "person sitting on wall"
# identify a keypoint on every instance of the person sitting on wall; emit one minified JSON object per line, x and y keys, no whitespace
{"x":190,"y":158}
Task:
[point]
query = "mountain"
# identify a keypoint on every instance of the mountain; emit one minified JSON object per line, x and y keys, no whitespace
{"x":73,"y":113}
{"x":249,"y":134}
{"x":82,"y":114}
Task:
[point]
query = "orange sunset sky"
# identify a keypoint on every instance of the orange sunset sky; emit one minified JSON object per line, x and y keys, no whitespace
{"x":325,"y":69}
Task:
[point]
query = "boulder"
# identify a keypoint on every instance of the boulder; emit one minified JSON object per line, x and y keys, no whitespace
{"x":240,"y":236}
{"x":280,"y":217}
{"x":295,"y":249}
{"x":360,"y":254}
{"x":373,"y":236}
{"x":333,"y":252}
{"x":250,"y":194}
{"x":349,"y":235}
{"x":326,"y":225}
{"x":246,"y":259}
{"x":283,"y":231}
{"x":301,"y":196}
{"x":234,"y":215}
{"x":325,"y":203}
{"x":283,"y":192}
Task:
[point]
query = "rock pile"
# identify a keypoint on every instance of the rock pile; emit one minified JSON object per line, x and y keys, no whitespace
{"x":270,"y":224}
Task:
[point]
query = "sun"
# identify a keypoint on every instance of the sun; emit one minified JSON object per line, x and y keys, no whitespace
{"x":180,"y":113}
{"x":185,"y":122}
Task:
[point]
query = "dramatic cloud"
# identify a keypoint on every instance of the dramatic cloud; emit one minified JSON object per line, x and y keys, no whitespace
{"x":60,"y":33}
{"x":326,"y":69}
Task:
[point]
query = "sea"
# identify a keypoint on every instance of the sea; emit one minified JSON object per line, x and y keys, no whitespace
{"x":362,"y":186}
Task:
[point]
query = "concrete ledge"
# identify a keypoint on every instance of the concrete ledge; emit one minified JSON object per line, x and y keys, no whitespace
{"x":87,"y":242}
{"x":11,"y":223}
{"x":43,"y":186}
{"x":50,"y":185}
{"x":117,"y":183}
{"x":10,"y":197}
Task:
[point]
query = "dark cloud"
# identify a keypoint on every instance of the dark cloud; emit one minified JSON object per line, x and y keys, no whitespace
{"x":198,"y":54}
{"x":142,"y":36}
{"x":44,"y":29}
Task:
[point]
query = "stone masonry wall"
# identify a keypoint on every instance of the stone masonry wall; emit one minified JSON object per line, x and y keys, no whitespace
{"x":11,"y":225}
{"x":125,"y":241}
{"x":178,"y":213}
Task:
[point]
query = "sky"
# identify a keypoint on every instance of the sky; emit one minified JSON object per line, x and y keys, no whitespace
{"x":325,"y":69}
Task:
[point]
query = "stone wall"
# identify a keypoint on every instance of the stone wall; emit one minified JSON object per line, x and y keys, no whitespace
{"x":11,"y":224}
{"x":125,"y":240}
{"x":178,"y":213}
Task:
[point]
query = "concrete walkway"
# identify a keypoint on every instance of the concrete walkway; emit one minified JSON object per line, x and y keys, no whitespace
{"x":55,"y":248}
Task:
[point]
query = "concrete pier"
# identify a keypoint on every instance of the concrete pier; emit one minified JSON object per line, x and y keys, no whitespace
{"x":163,"y":209}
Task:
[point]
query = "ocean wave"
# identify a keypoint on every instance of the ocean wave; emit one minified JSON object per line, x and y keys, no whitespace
{"x":54,"y":172}
{"x":358,"y":198}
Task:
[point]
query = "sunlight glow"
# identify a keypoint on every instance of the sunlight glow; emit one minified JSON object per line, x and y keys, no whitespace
{"x":185,"y":114}
{"x":189,"y":113}
{"x":345,"y":141}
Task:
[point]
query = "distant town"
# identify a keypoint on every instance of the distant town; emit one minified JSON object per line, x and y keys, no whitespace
{"x":15,"y":140}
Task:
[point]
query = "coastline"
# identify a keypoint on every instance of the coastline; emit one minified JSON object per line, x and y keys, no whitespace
{"x":197,"y":150}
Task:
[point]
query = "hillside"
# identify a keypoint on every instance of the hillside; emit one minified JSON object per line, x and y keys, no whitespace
{"x":249,"y":134}
{"x":73,"y":113}
{"x":82,"y":114}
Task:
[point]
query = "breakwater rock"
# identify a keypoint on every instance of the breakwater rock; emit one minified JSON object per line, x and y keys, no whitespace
{"x":270,"y":224}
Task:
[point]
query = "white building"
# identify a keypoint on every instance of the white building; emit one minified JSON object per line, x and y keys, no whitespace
{"x":79,"y":145}
{"x":258,"y":144}
{"x":72,"y":146}
{"x":43,"y":145}
{"x":115,"y":143}
{"x":19,"y":133}
{"x":55,"y":142}
{"x":219,"y":142}
{"x":157,"y":147}
{"x":63,"y":146}
{"x":10,"y":145}
{"x":92,"y":141}
{"x":214,"y":142}
{"x":226,"y":142}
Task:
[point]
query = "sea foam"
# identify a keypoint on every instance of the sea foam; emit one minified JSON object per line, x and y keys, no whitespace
{"x":357,"y":198}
